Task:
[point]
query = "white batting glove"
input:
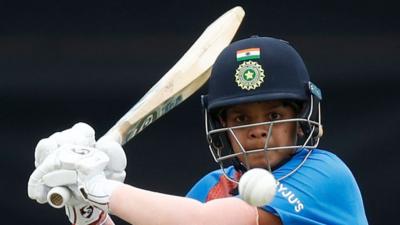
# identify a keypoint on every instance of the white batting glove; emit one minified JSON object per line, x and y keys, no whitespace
{"x":97,"y":191}
{"x":83,"y":135}
{"x":81,"y":169}
{"x":80,"y":134}
{"x":62,"y":168}
{"x":80,"y":212}
{"x":115,"y":169}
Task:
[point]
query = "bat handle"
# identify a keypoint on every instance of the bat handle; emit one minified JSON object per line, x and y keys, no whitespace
{"x":58,"y":197}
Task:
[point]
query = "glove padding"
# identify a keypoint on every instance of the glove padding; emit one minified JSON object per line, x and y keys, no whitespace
{"x":115,"y":169}
{"x":79,"y":212}
{"x":81,"y":134}
{"x":65,"y":167}
{"x":97,"y":191}
{"x":78,"y":168}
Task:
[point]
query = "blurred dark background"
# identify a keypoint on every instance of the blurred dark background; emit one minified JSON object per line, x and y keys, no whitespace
{"x":67,"y":61}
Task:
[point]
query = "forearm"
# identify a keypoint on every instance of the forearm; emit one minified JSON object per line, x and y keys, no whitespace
{"x":141,"y":207}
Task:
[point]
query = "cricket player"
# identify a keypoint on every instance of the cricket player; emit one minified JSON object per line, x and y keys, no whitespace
{"x":261,"y":111}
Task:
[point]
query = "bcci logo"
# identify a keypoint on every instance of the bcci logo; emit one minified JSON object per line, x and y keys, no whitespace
{"x":249,"y":75}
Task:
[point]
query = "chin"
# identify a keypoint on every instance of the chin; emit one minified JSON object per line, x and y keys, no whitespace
{"x":260,"y":163}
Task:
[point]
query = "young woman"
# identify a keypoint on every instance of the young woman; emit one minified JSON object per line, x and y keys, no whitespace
{"x":261,"y":111}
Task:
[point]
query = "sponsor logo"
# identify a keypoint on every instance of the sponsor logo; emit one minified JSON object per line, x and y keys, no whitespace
{"x":298,"y":206}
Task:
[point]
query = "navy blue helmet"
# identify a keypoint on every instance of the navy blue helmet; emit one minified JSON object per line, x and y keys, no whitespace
{"x":260,"y":69}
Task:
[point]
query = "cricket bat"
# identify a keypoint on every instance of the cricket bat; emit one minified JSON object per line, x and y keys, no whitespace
{"x":180,"y":82}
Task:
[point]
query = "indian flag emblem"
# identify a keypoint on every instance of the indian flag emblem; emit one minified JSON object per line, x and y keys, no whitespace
{"x":247,"y":54}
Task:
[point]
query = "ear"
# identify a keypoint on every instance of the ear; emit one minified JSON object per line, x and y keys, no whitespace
{"x":300,"y":132}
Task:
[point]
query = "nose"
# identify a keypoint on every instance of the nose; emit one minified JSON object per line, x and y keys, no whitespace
{"x":258,"y":132}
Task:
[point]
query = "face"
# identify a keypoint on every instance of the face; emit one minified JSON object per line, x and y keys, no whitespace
{"x":283,"y":134}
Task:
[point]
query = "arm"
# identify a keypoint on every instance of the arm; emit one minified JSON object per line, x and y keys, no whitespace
{"x":132,"y":204}
{"x":138,"y":206}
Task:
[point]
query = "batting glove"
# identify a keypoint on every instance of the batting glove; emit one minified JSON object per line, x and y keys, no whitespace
{"x":80,"y":212}
{"x":81,"y":169}
{"x":83,"y":135}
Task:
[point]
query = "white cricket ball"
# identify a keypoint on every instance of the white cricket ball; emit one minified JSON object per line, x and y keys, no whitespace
{"x":257,"y":187}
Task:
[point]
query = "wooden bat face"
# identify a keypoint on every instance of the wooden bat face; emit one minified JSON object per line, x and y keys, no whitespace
{"x":182,"y":80}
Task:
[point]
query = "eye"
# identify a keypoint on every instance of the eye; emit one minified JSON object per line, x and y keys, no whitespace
{"x":274,"y":116}
{"x":240,"y":119}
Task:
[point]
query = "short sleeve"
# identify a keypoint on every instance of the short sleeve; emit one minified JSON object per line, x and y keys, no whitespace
{"x":322,"y":191}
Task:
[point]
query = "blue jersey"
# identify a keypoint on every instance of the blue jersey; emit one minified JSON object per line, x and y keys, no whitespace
{"x":322,"y":191}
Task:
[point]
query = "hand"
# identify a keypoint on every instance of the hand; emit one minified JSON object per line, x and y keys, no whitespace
{"x":80,"y":134}
{"x":81,"y":213}
{"x":83,"y":135}
{"x":78,"y":168}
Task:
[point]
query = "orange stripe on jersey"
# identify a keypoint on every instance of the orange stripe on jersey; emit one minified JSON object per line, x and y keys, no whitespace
{"x":223,"y":188}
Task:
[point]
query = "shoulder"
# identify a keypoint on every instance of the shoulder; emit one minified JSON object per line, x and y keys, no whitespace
{"x":320,"y":167}
{"x":328,"y":165}
{"x":320,"y":154}
{"x":326,"y":155}
{"x":317,"y":178}
{"x":318,"y":161}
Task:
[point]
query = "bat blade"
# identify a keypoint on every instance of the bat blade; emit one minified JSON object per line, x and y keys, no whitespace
{"x":182,"y":80}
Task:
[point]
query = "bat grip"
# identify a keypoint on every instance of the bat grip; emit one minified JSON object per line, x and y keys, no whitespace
{"x":58,"y":197}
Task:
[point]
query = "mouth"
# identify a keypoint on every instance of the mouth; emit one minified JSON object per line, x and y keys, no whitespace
{"x":256,"y":156}
{"x":258,"y":148}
